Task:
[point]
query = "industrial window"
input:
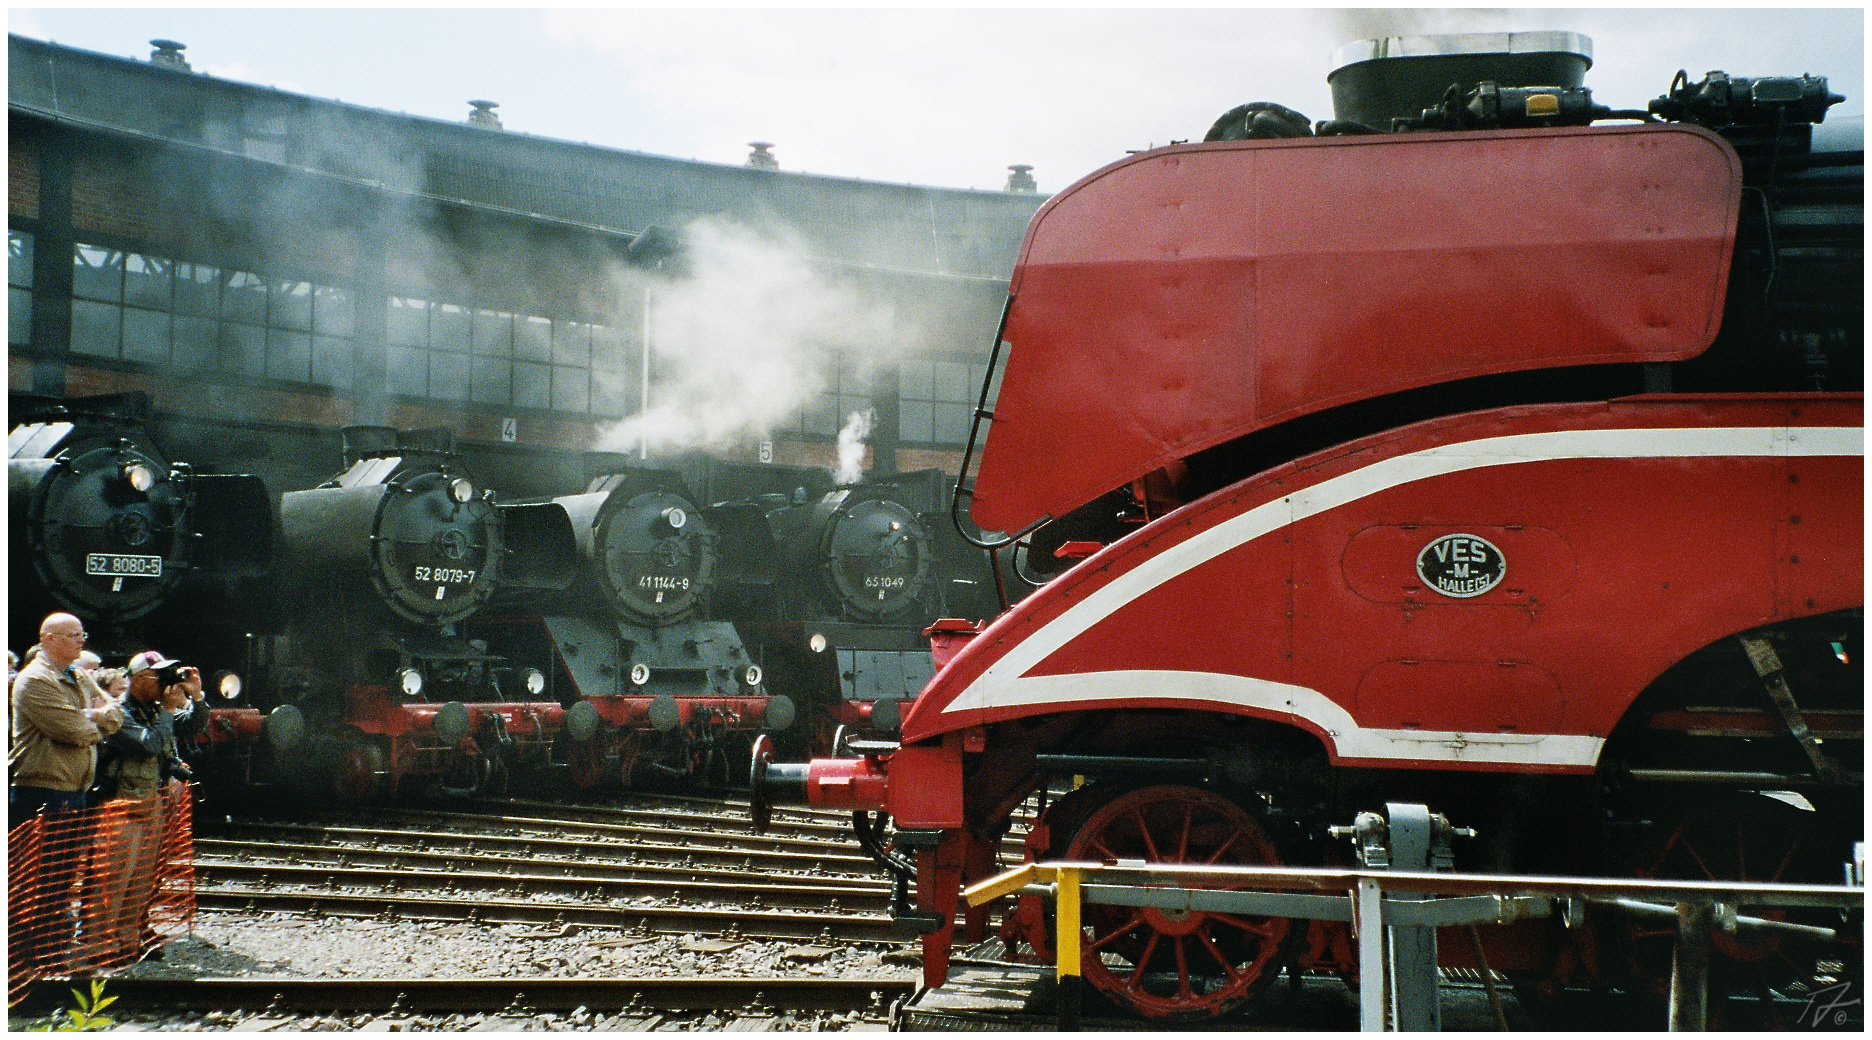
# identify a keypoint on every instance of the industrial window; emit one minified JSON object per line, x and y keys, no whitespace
{"x":200,"y":318}
{"x":19,"y":288}
{"x":452,"y":352}
{"x":846,"y":391}
{"x":936,"y":400}
{"x":616,"y":385}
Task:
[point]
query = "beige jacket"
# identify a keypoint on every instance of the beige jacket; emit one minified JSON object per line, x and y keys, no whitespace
{"x":55,"y":730}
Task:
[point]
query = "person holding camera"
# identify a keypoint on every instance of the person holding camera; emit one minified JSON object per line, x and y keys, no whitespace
{"x":142,"y":763}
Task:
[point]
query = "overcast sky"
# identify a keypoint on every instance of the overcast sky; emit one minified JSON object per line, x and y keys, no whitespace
{"x":937,"y":96}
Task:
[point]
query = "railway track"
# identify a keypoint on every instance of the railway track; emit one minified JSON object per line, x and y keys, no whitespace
{"x":687,"y":867}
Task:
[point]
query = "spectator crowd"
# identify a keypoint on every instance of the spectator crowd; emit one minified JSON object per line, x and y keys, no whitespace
{"x":97,"y":762}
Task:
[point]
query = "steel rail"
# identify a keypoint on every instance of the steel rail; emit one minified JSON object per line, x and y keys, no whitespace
{"x":217,"y":853}
{"x":523,"y":996}
{"x":821,"y":924}
{"x":729,"y":851}
{"x":387,"y":881}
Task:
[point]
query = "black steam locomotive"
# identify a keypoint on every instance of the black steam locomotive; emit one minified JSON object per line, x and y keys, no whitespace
{"x":104,"y":526}
{"x":836,"y":587}
{"x":656,"y":685}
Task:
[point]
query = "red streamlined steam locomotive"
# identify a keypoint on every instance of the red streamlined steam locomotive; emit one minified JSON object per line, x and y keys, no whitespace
{"x":1481,"y":447}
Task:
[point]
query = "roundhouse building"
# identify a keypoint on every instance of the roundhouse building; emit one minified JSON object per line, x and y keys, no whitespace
{"x":269,"y":267}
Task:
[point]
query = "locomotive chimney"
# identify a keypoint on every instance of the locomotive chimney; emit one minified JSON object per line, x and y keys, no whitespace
{"x":168,"y":55}
{"x":362,"y":441}
{"x":483,"y":115}
{"x":760,"y":158}
{"x":1397,"y":77}
{"x":1020,"y":180}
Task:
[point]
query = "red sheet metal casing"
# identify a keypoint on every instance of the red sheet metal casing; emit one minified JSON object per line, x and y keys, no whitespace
{"x":1591,"y":546}
{"x":1194,"y":294}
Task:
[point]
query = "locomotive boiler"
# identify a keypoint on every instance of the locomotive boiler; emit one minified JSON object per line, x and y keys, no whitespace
{"x":368,"y":684}
{"x":1482,"y":447}
{"x":655,"y":685}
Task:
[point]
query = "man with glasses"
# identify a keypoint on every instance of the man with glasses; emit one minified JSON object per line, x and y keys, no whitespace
{"x":59,"y":718}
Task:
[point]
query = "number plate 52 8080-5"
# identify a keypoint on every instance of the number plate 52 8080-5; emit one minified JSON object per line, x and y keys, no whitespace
{"x":110,"y":565}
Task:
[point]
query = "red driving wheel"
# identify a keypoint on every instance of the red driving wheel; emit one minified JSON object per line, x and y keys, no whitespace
{"x":1177,"y":964}
{"x":1748,"y":839}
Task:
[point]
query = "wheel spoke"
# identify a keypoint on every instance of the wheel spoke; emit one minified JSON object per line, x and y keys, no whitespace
{"x":1265,"y":927}
{"x":1151,"y":855}
{"x":1189,"y":812}
{"x":1223,"y":848}
{"x":1664,"y":851}
{"x":1781,"y":867}
{"x":1137,"y":973}
{"x":1202,"y":936}
{"x":1133,"y":921}
{"x":1183,"y":972}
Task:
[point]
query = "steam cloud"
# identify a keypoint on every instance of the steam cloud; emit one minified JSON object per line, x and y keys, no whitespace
{"x":744,"y":341}
{"x":851,"y":445}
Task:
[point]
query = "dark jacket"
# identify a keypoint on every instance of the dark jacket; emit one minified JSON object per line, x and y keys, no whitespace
{"x":143,"y":755}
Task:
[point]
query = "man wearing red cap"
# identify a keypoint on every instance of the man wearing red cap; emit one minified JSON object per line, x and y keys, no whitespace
{"x":146,"y":759}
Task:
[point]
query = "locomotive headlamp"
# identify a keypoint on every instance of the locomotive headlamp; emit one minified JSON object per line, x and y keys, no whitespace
{"x":139,"y":476}
{"x":410,"y":681}
{"x":640,"y":673}
{"x":534,"y":680}
{"x":676,"y":517}
{"x":228,"y":685}
{"x":462,"y":490}
{"x":817,"y":643}
{"x":752,"y":676}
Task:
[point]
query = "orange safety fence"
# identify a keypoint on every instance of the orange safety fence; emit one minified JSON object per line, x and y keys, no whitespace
{"x":93,"y":891}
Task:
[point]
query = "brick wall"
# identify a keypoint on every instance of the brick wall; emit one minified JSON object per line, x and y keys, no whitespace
{"x":109,"y":197}
{"x":22,"y":178}
{"x":178,"y":394}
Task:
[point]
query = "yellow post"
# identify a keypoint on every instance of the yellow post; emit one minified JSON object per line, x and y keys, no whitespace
{"x":1066,"y":942}
{"x":1066,"y":911}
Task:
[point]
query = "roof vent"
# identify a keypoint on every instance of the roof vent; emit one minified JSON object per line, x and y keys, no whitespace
{"x":1397,"y":77}
{"x":483,"y":115}
{"x":760,"y":158}
{"x":168,"y":54}
{"x":1021,"y":180}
